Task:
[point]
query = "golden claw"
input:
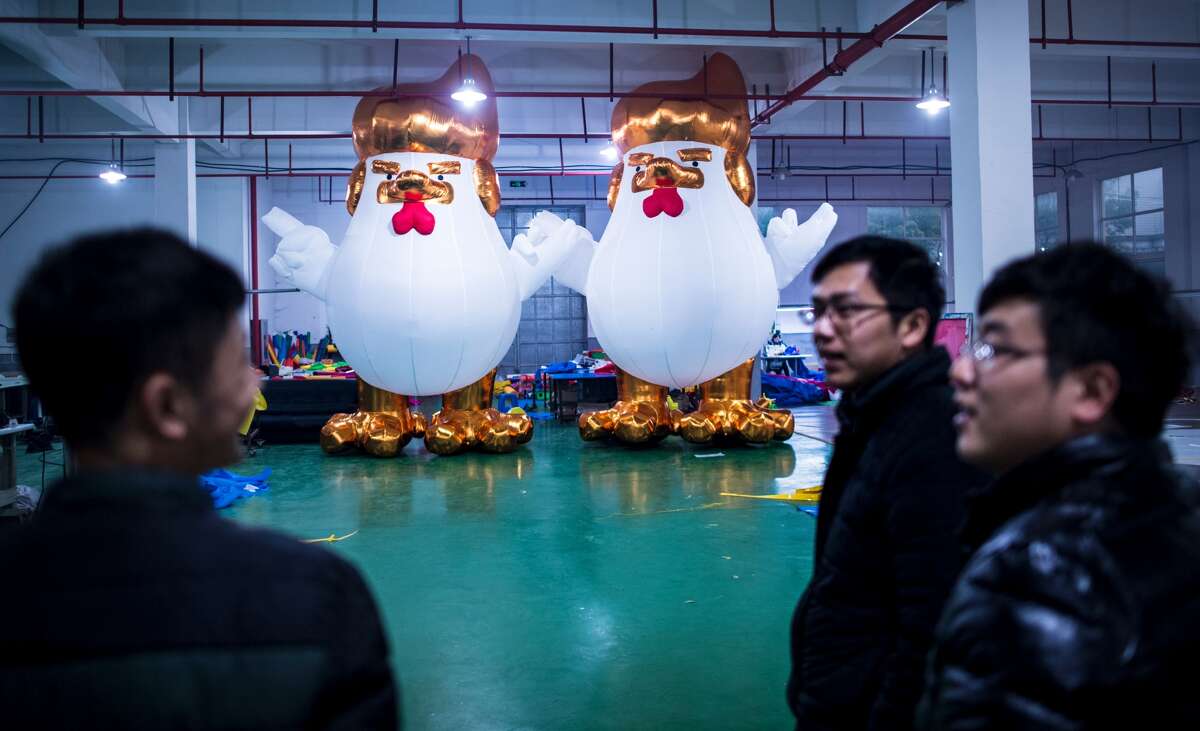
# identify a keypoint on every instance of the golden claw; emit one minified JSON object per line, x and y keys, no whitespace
{"x":629,"y":422}
{"x":453,"y":431}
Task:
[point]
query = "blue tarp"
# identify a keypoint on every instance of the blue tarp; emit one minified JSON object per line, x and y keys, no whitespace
{"x":227,"y":487}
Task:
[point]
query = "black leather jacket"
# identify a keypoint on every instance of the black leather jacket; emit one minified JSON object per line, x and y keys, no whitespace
{"x":1080,"y":608}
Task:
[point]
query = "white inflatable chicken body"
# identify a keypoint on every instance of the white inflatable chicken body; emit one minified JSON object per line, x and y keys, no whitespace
{"x":682,"y":289}
{"x":422,"y":296}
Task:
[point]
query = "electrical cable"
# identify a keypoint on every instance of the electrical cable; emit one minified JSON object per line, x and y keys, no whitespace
{"x":36,"y":193}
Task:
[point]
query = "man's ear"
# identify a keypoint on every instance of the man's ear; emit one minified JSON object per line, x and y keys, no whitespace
{"x":913,"y":328}
{"x":1094,"y":392}
{"x":164,"y":405}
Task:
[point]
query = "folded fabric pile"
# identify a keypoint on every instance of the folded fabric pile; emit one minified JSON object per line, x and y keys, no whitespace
{"x":787,"y":391}
{"x":227,"y":487}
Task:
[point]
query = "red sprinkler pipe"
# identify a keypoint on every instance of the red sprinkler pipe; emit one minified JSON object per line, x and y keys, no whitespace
{"x":460,"y":25}
{"x":881,"y":33}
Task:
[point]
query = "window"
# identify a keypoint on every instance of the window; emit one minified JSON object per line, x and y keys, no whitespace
{"x":554,"y":320}
{"x":1131,"y":217}
{"x":1045,"y":221}
{"x":921,"y":225}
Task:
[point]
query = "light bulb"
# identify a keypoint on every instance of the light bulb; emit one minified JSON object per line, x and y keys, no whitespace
{"x":112,"y":175}
{"x":469,"y":94}
{"x":933,"y":101}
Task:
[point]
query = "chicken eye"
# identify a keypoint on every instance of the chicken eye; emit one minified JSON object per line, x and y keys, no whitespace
{"x":695,"y":164}
{"x":441,"y":177}
{"x":389,"y":176}
{"x":639,"y":168}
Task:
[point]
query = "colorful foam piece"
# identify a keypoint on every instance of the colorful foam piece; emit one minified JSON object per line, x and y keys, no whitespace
{"x":260,"y":404}
{"x":331,"y":538}
{"x":803,"y":495}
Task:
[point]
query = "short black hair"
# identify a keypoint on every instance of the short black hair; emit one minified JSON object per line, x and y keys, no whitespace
{"x":1097,"y":306}
{"x":901,"y":271}
{"x":96,"y":317}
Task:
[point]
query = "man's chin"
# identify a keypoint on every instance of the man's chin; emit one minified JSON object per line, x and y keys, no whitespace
{"x":840,"y":378}
{"x":971,"y":451}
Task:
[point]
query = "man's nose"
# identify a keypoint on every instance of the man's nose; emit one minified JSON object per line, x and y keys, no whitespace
{"x":823,"y":327}
{"x":962,"y":372}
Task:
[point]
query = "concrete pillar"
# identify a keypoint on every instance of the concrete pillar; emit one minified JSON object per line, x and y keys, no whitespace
{"x":991,"y":140}
{"x":175,"y":187}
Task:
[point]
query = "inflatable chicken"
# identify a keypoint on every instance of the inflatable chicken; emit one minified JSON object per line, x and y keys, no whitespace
{"x":680,"y":201}
{"x":422,"y":296}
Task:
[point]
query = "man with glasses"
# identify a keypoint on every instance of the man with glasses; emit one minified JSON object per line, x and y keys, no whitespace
{"x":886,"y":552}
{"x":1079,"y":607}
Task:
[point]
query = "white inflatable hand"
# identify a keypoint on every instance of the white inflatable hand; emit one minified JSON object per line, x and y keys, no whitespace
{"x":303,"y":254}
{"x":543,"y":226}
{"x":542,"y":250}
{"x":793,"y":245}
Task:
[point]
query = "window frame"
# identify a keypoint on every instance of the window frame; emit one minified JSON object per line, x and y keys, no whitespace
{"x":1057,"y":228}
{"x":1158,"y":257}
{"x":943,"y":262}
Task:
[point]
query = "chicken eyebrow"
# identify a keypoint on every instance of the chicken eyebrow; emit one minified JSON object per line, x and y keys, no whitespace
{"x":702,"y":154}
{"x":448,"y":167}
{"x":640,"y":158}
{"x":384,"y":166}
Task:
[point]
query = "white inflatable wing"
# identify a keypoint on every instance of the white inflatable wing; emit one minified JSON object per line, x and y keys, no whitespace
{"x":304,"y":252}
{"x":792,"y":246}
{"x":551,"y":246}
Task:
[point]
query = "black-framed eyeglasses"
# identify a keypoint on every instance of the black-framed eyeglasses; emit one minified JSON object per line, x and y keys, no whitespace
{"x":986,"y":354}
{"x":841,"y":313}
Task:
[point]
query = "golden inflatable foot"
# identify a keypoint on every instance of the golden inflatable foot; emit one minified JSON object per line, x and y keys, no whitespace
{"x":640,"y":417}
{"x":466,"y":422}
{"x":382,"y":425}
{"x":455,"y":431}
{"x":726,"y":414}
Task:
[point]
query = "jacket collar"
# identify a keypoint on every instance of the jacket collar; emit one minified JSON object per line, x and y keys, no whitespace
{"x":1084,"y":468}
{"x":863,"y":409}
{"x":130,"y":490}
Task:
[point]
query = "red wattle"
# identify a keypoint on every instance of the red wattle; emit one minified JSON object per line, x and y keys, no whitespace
{"x":413,"y":215}
{"x":663,"y":200}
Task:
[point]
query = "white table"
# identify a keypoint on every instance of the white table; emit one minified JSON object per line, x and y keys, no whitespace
{"x":794,"y":356}
{"x":8,"y":454}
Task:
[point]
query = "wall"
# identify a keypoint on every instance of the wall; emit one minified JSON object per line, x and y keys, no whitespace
{"x":70,"y":207}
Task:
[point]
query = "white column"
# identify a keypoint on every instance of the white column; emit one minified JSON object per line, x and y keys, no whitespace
{"x":175,"y":187}
{"x":991,"y":141}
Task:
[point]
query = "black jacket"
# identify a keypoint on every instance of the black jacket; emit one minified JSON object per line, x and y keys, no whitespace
{"x":1081,"y":607}
{"x":886,"y":552}
{"x":129,"y":603}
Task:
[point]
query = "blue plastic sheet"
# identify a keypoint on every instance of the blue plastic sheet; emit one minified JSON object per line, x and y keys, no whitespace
{"x":227,"y":487}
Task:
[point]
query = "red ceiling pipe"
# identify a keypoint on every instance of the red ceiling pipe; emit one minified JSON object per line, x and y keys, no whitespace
{"x":846,"y":57}
{"x":323,"y":93}
{"x":375,"y":25}
{"x":460,"y":25}
{"x":346,"y":135}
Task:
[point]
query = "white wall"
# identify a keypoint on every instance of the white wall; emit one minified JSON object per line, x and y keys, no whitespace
{"x":69,"y":208}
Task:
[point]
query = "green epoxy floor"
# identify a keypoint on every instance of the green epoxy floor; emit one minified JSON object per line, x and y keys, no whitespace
{"x":566,"y":585}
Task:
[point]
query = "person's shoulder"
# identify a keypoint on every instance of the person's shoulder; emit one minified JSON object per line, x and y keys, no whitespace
{"x":1051,"y":552}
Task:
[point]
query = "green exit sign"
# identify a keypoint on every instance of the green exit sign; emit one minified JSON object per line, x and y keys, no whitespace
{"x":516,"y":183}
